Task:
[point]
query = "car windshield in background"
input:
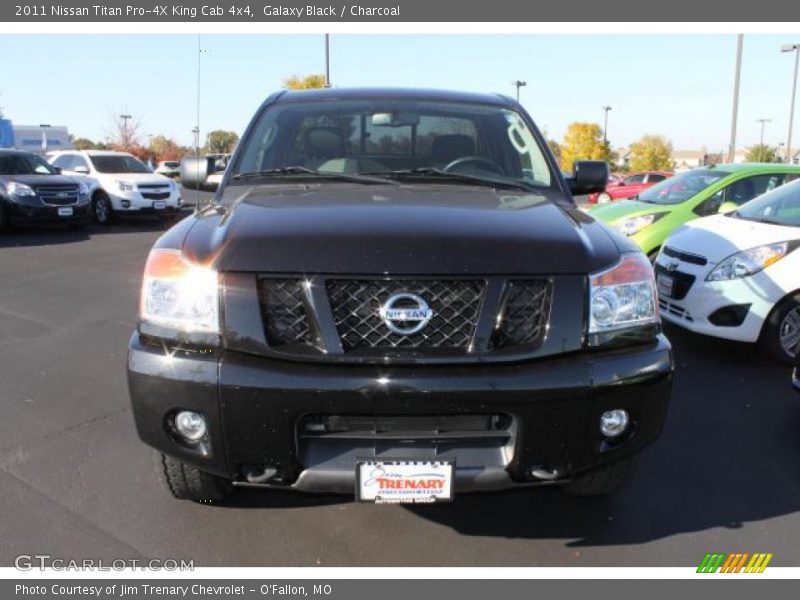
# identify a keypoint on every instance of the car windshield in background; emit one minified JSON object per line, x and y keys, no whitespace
{"x":780,"y":206}
{"x":399,"y":139}
{"x":24,"y":164}
{"x":118,"y":164}
{"x":681,"y":187}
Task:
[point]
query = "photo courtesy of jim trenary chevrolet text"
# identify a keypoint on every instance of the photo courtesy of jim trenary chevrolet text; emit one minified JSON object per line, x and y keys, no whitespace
{"x":399,"y":299}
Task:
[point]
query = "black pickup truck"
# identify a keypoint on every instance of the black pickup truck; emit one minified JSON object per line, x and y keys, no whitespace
{"x":394,"y":296}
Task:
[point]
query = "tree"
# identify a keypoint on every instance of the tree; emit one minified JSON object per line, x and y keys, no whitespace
{"x":309,"y":82}
{"x":651,"y":153}
{"x":87,"y":144}
{"x":124,"y":133}
{"x":583,"y":141}
{"x":220,"y":141}
{"x":164,"y":148}
{"x":763,"y":153}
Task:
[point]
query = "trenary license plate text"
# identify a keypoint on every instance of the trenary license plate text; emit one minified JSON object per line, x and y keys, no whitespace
{"x":404,"y":481}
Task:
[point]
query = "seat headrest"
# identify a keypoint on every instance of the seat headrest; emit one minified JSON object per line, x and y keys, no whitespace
{"x":447,"y":148}
{"x":324,"y":141}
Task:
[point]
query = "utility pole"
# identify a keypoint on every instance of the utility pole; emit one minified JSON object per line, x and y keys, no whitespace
{"x":737,"y":78}
{"x":327,"y":61}
{"x":763,"y":122}
{"x":125,"y":136}
{"x":796,"y":49}
{"x":605,"y":125}
{"x":518,"y":83}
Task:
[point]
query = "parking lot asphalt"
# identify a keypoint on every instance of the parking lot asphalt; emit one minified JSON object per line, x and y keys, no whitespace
{"x":75,"y":481}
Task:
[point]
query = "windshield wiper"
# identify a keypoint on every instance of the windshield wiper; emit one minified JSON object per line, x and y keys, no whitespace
{"x":432,"y":172}
{"x":298,"y":171}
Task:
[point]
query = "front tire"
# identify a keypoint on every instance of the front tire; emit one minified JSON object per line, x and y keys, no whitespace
{"x":102,"y":209}
{"x":780,"y":337}
{"x":603,"y":481}
{"x":187,"y":482}
{"x":4,"y":222}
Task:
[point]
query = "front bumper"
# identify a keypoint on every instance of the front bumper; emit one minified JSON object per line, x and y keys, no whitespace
{"x":254,"y":405}
{"x":48,"y":215}
{"x":134,"y":202}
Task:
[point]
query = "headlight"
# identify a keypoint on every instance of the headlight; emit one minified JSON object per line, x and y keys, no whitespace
{"x":83,"y":191}
{"x":749,"y":262}
{"x":634,"y":225}
{"x":124,"y":186}
{"x":20,"y":190}
{"x":624,"y":296}
{"x":179,"y":294}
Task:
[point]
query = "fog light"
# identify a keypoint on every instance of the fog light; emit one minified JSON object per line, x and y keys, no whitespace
{"x":190,"y":425}
{"x":126,"y":204}
{"x":613,"y":422}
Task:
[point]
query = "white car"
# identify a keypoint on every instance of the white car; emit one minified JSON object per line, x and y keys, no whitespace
{"x":737,"y":276}
{"x":120,"y":183}
{"x":169,"y":168}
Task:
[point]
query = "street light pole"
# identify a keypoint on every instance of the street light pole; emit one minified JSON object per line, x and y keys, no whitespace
{"x":737,"y":78}
{"x":327,"y":61}
{"x":796,"y":49}
{"x":605,"y":124}
{"x":125,"y":119}
{"x":518,"y":83}
{"x":763,"y":122}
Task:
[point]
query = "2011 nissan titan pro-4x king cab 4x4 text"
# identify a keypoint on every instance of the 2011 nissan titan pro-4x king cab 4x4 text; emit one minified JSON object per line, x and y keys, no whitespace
{"x":394,"y":295}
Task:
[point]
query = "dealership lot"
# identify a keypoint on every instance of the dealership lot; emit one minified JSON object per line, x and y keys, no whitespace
{"x":75,"y":481}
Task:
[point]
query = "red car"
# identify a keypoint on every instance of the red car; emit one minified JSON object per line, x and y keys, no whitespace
{"x":629,"y":186}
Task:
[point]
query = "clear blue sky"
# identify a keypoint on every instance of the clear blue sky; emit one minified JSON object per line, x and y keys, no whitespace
{"x":675,"y":85}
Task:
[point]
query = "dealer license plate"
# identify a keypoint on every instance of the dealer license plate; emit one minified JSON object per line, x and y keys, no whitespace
{"x":665,"y":284}
{"x":65,"y":211}
{"x":159,"y":205}
{"x":404,"y":481}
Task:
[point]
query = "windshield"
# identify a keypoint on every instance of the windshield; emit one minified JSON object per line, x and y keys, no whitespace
{"x":681,"y":187}
{"x":780,"y":206}
{"x":25,"y":164}
{"x":118,"y":163}
{"x":386,"y":137}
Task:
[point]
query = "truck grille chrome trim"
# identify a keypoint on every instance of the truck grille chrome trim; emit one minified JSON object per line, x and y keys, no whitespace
{"x":342,"y":317}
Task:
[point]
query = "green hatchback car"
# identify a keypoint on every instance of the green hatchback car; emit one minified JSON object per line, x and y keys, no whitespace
{"x":650,"y":218}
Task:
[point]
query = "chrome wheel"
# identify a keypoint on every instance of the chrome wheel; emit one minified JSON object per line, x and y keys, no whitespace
{"x":789,"y":332}
{"x":102,"y":210}
{"x":604,"y":198}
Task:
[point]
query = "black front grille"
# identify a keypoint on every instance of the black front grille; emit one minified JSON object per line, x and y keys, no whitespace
{"x":688,"y":257}
{"x":58,"y":195}
{"x":285,"y":314}
{"x":153,"y":186}
{"x":356,"y":305}
{"x":333,"y":318}
{"x":524,"y":315}
{"x":155,"y":195}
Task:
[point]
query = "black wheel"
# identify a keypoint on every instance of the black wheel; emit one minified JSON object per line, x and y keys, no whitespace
{"x":103,"y":211}
{"x":186,"y":482}
{"x":604,"y":481}
{"x":780,"y":337}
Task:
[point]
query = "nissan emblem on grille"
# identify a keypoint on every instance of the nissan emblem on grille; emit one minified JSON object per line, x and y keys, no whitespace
{"x":405,"y":313}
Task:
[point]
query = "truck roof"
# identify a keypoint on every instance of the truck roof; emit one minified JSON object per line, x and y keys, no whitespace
{"x":389,"y":93}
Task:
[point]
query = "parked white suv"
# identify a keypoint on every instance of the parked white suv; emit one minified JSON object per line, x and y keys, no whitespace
{"x":120,"y":183}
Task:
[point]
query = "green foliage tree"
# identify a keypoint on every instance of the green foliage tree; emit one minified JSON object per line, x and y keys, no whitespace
{"x":583,"y":141}
{"x":308,"y":82}
{"x":651,"y":153}
{"x":763,"y":153}
{"x":220,"y":141}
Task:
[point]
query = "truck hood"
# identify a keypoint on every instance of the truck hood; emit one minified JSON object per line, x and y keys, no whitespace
{"x":719,"y":236}
{"x":37,"y":180}
{"x":343,"y":228}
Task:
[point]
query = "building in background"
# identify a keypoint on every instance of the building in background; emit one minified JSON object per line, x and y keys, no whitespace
{"x":34,"y":138}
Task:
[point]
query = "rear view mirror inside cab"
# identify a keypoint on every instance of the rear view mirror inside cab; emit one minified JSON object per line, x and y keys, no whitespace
{"x":395,"y":119}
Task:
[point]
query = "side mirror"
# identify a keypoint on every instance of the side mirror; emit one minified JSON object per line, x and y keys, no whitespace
{"x":195,"y":171}
{"x":588,"y":177}
{"x":82,"y":170}
{"x":57,"y":170}
{"x":727,"y":207}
